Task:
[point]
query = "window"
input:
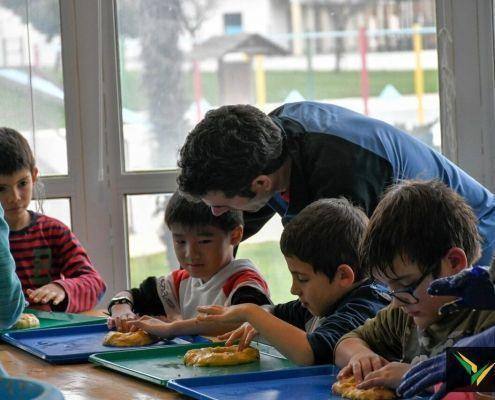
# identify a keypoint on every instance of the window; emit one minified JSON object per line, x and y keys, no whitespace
{"x":232,"y":23}
{"x":377,"y":58}
{"x":107,"y":148}
{"x":31,"y":80}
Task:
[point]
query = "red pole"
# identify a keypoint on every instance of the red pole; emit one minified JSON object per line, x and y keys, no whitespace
{"x":198,"y":89}
{"x":365,"y":84}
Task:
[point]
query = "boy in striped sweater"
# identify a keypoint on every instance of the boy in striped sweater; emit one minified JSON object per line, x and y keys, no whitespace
{"x":209,"y":274}
{"x":53,"y":267}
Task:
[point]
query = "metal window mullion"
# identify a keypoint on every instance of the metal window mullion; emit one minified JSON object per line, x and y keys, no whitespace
{"x":467,"y":91}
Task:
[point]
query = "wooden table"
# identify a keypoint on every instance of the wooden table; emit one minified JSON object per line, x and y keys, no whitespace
{"x":81,"y":381}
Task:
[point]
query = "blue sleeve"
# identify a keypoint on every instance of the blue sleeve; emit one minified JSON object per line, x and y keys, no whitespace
{"x":293,"y":313}
{"x":408,"y":157}
{"x":346,"y":318}
{"x":11,"y":297}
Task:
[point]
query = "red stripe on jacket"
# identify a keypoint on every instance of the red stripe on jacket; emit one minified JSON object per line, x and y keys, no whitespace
{"x":70,"y":266}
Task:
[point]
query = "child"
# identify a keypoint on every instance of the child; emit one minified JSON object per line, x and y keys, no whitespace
{"x":53,"y":267}
{"x":204,"y":245}
{"x":320,"y":246}
{"x":12,"y":300}
{"x":419,"y":232}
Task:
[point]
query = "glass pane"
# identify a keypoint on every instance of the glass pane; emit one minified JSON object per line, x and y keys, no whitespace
{"x":31,"y":82}
{"x":56,"y":208}
{"x":264,"y":250}
{"x":179,"y":59}
{"x":151,"y":250}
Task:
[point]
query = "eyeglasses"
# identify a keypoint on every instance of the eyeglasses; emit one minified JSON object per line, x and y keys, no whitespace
{"x":406,"y":295}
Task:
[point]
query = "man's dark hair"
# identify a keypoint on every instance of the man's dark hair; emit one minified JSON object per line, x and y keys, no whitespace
{"x":326,"y":234}
{"x":15,"y":153}
{"x":419,"y":221}
{"x":189,"y":214}
{"x":229,"y":148}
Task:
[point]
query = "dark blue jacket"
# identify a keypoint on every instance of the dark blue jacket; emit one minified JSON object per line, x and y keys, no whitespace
{"x":350,"y":312}
{"x":336,"y":152}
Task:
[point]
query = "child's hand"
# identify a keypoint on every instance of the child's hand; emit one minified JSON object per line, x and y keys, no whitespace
{"x":235,"y":313}
{"x":361,"y":364}
{"x":389,"y":376}
{"x":121,"y":316}
{"x":154,"y":326}
{"x":51,"y":292}
{"x":245,"y":333}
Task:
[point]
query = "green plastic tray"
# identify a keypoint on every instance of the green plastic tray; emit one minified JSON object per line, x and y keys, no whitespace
{"x":162,"y":364}
{"x":52,"y":319}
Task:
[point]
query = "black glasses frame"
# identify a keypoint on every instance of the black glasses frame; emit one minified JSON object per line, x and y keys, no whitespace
{"x":409,"y":290}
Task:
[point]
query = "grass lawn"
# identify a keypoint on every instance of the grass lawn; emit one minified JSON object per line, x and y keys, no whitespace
{"x":49,"y":113}
{"x":320,"y":85}
{"x":266,"y":256}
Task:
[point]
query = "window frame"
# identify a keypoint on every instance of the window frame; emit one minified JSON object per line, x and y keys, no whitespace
{"x":98,"y":184}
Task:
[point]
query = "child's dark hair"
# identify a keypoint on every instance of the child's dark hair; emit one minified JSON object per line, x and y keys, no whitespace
{"x":325,"y":235}
{"x":229,"y":148}
{"x":419,"y":221}
{"x":15,"y":153}
{"x":195,"y":214}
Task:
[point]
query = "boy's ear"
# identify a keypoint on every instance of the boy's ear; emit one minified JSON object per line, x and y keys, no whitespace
{"x":34,"y":174}
{"x":262,"y":184}
{"x":236,"y":235}
{"x":344,"y":275}
{"x":455,"y":260}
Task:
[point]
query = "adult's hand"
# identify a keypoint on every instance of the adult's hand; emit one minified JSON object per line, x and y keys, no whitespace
{"x":472,"y":287}
{"x":433,"y":371}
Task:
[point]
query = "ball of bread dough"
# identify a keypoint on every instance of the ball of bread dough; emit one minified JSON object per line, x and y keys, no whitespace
{"x":27,"y":321}
{"x":220,"y":356}
{"x":128,"y":339}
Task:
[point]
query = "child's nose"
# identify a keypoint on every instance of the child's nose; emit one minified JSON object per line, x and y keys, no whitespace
{"x":191,"y":251}
{"x":15,"y":195}
{"x":294,"y":289}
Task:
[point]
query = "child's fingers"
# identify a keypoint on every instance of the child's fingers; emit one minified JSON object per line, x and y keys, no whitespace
{"x":42,"y":297}
{"x":250,"y":336}
{"x":344,"y":372}
{"x":229,"y":336}
{"x":234,"y":336}
{"x":373,"y":381}
{"x":244,"y":341}
{"x":357,"y":369}
{"x":58,"y":298}
{"x":110,"y":323}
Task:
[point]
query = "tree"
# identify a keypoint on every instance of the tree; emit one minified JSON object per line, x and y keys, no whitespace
{"x":341,"y":11}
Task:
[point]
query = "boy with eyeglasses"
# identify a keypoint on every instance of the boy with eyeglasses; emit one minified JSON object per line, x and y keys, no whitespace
{"x":420,"y":231}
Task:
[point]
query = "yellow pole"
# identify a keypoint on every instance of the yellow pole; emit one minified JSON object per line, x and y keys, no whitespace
{"x":297,"y":27}
{"x":418,"y":73}
{"x":260,"y":79}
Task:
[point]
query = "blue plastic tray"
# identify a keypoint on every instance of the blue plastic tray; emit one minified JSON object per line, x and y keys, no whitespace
{"x":73,"y":344}
{"x":294,"y":383}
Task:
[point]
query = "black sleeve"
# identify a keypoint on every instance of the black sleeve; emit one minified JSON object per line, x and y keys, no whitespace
{"x":249,"y":294}
{"x":146,"y":299}
{"x":362,"y":175}
{"x":293,"y":313}
{"x":345,"y":319}
{"x":253,"y":222}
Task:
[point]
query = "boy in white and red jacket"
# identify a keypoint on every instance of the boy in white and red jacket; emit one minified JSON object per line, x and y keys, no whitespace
{"x":209,"y":275}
